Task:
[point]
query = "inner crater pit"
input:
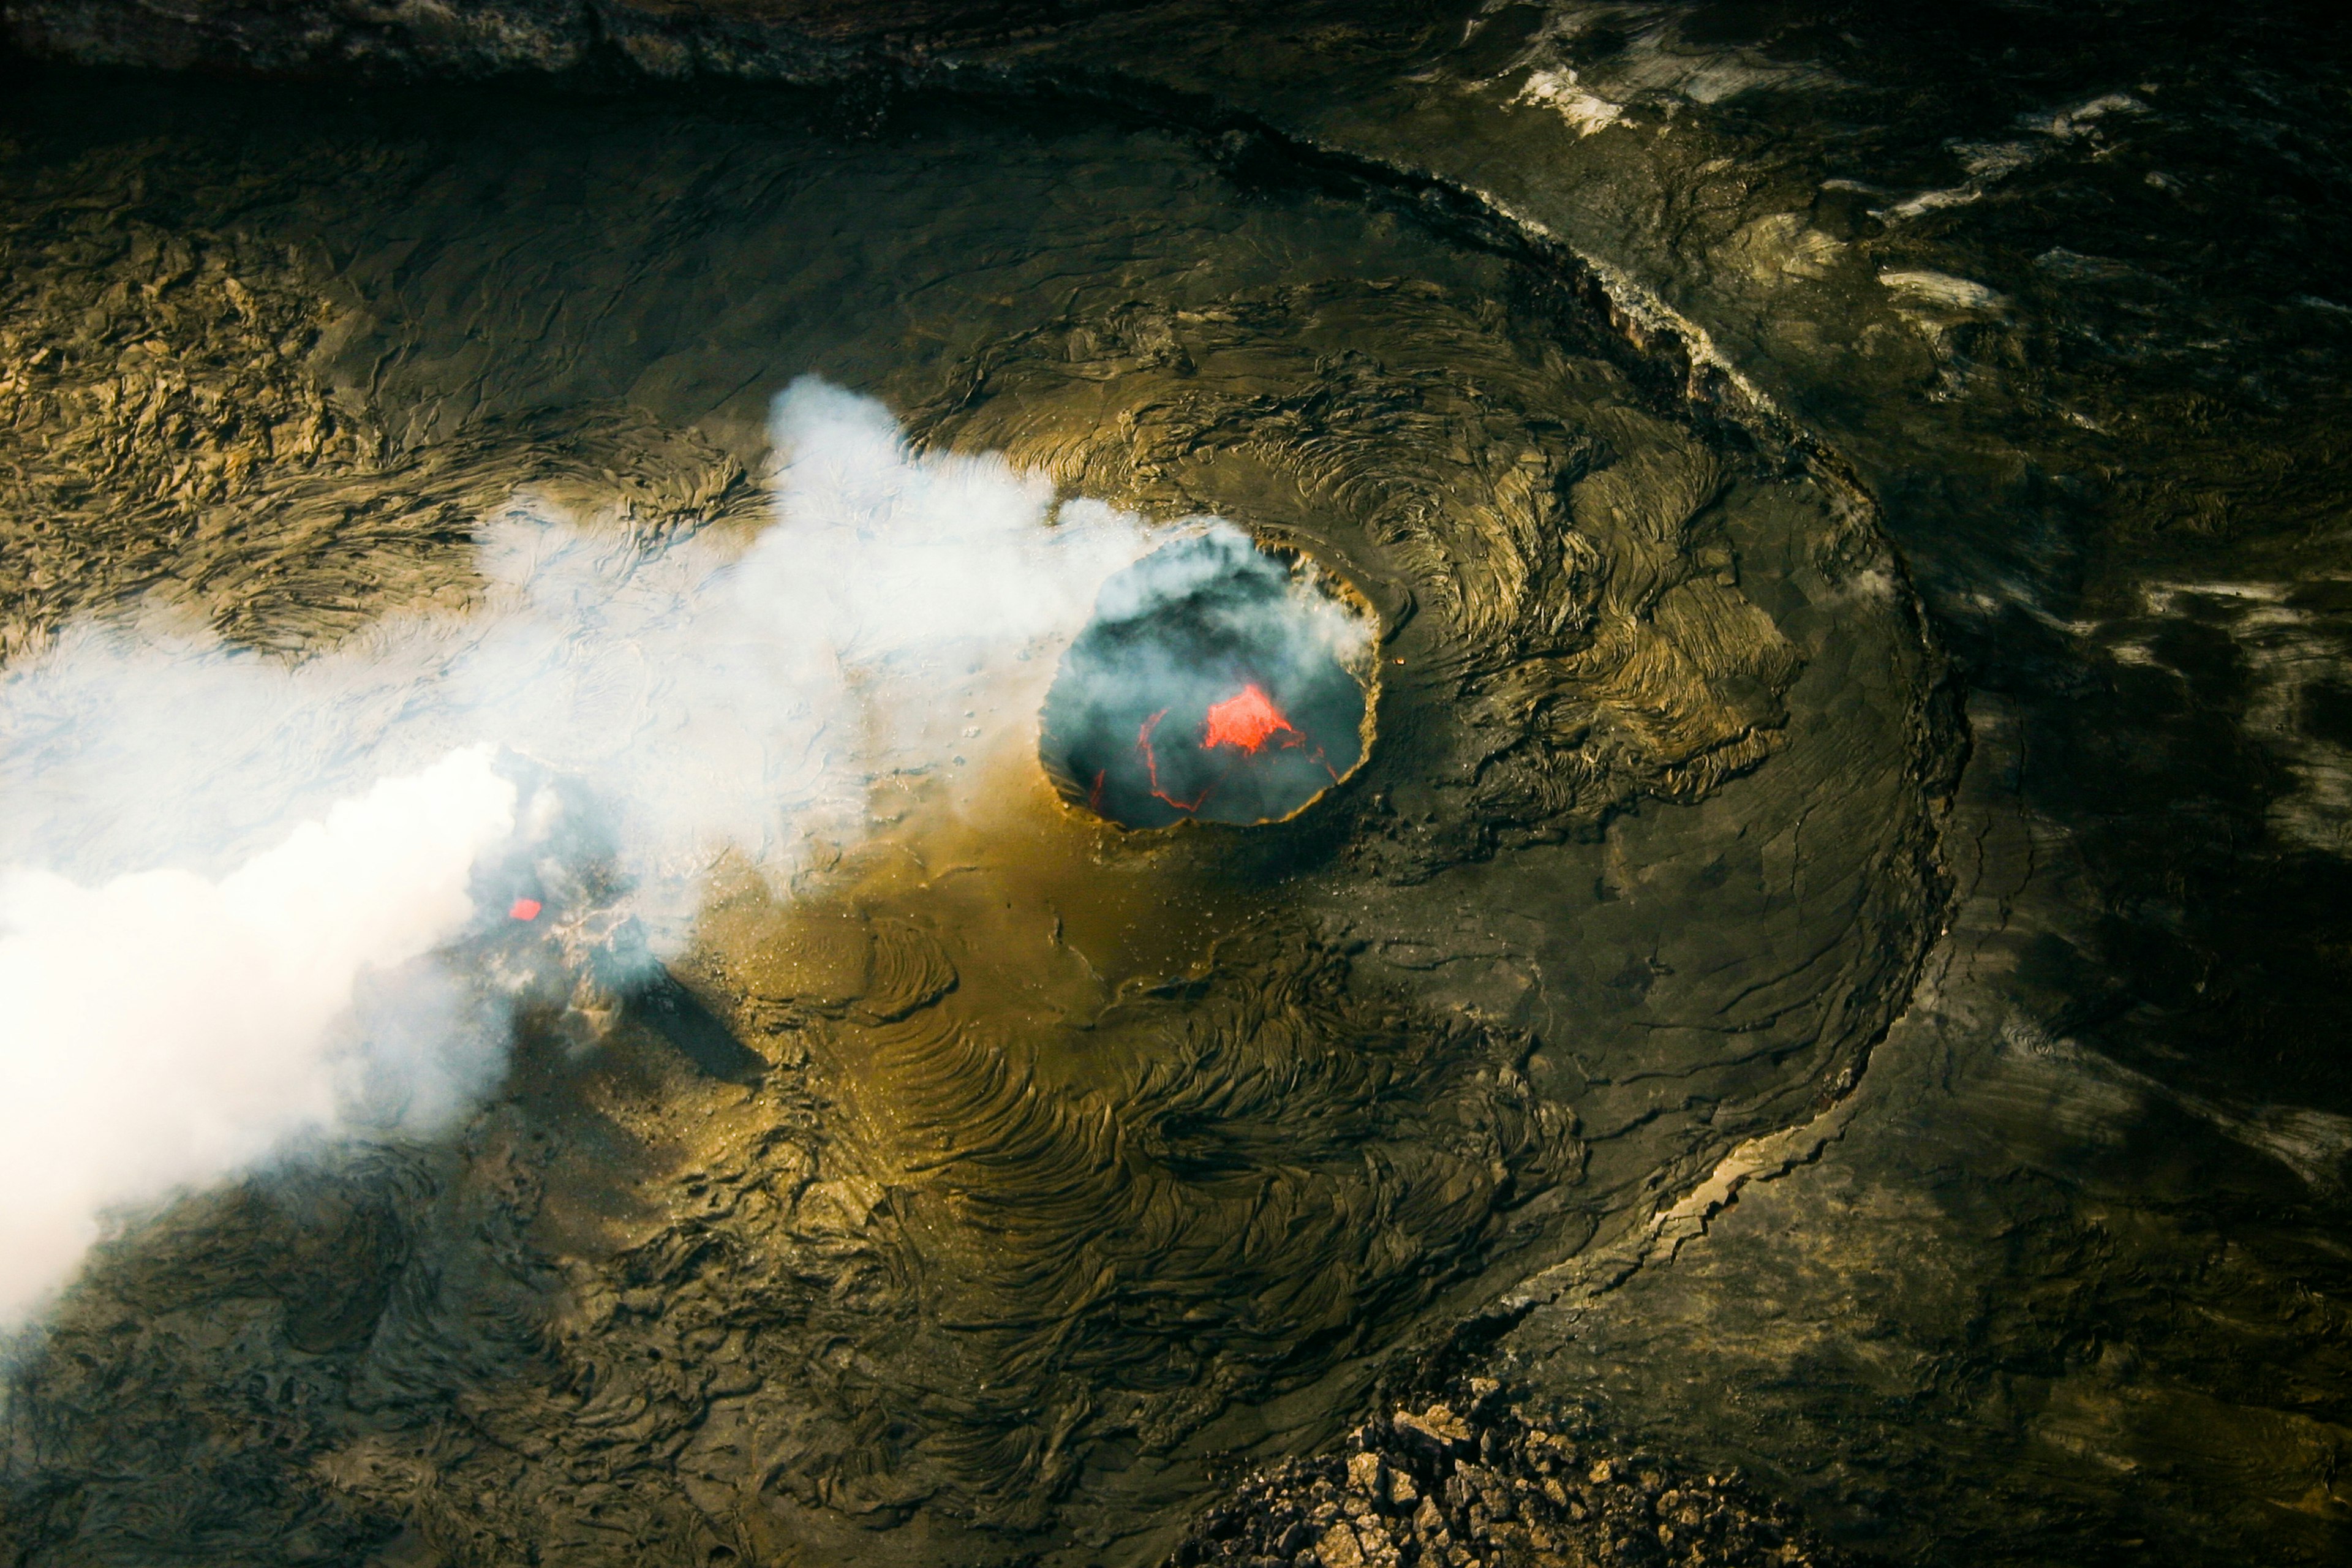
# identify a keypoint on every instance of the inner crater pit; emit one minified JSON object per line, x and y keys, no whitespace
{"x":1218,"y":681}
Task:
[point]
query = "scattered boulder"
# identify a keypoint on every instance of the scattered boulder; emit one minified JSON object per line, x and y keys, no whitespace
{"x":1476,"y":1480}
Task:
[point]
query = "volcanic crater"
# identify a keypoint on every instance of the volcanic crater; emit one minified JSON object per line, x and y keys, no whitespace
{"x":1215,"y":683}
{"x":989,"y":1187}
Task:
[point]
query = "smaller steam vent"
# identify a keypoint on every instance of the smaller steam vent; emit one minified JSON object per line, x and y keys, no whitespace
{"x":1218,"y":682}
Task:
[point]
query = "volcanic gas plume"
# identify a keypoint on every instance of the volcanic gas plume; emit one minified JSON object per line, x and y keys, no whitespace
{"x":212,"y":853}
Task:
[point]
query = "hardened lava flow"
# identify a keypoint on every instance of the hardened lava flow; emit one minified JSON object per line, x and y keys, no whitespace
{"x":1561,"y":761}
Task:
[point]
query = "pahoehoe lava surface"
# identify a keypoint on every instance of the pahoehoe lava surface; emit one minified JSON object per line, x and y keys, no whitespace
{"x":977,"y":1205}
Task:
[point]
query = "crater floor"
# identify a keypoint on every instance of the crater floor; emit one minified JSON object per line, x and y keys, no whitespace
{"x":1015,"y":1177}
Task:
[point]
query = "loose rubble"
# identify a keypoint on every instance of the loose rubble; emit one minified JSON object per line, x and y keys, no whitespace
{"x":1473,"y":1479}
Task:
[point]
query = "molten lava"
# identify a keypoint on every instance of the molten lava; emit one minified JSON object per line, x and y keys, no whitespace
{"x":1151,"y":766}
{"x":1247,"y":719}
{"x":1241,"y":724}
{"x":1218,"y":681}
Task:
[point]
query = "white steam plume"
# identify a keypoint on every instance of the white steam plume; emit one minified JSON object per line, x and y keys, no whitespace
{"x":165,"y":1028}
{"x":209,"y":859}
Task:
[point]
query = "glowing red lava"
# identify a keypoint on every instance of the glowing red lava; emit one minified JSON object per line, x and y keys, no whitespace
{"x":1151,"y":765}
{"x":1246,"y":720}
{"x":523,"y":910}
{"x":1243,"y":723}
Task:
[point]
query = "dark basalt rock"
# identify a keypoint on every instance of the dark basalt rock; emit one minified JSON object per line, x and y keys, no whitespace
{"x":1476,"y":1476}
